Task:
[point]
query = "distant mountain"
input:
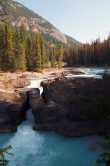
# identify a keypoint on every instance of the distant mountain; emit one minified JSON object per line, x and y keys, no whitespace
{"x":20,"y":16}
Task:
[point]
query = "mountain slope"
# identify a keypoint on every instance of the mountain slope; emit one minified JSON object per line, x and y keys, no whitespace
{"x":21,"y":16}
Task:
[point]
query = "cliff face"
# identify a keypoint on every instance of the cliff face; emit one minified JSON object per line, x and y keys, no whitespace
{"x":72,"y":107}
{"x":76,"y":107}
{"x":11,"y":111}
{"x":21,"y":16}
{"x":13,"y":102}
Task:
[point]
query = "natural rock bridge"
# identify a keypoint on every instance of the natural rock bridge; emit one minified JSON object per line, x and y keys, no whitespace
{"x":63,"y":107}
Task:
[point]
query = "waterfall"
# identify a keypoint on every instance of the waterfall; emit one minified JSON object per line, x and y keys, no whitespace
{"x":36,"y":83}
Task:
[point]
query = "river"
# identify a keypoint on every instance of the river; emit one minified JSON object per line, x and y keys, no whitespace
{"x":32,"y":148}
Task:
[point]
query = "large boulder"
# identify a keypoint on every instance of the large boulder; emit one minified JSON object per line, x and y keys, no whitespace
{"x":73,"y":107}
{"x":46,"y":114}
{"x":20,"y":82}
{"x":12,"y":110}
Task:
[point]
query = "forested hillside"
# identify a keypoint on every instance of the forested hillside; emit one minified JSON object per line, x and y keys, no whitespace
{"x":29,"y":42}
{"x":96,"y":53}
{"x":26,"y":50}
{"x":19,"y":16}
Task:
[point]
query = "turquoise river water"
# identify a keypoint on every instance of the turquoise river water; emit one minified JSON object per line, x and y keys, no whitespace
{"x":31,"y":148}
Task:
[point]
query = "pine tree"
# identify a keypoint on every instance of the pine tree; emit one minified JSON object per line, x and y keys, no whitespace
{"x":38,"y":57}
{"x":20,"y":46}
{"x":44,"y":58}
{"x":60,"y":57}
{"x":28,"y":52}
{"x":7,"y":58}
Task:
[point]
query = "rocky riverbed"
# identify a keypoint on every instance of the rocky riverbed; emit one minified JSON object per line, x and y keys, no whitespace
{"x":69,"y":106}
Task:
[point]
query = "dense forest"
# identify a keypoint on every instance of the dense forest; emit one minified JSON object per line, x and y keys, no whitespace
{"x":26,"y":50}
{"x":96,"y":53}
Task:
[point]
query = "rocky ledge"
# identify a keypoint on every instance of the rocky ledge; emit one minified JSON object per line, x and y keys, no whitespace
{"x":12,"y":103}
{"x":72,"y":107}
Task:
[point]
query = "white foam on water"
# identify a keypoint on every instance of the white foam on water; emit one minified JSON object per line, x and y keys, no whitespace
{"x":36,"y":83}
{"x":84,"y":76}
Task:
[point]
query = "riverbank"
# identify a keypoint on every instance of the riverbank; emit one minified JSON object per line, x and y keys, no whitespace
{"x":13,"y":96}
{"x":11,"y":81}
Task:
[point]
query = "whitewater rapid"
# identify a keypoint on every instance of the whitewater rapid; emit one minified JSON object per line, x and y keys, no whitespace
{"x":36,"y":83}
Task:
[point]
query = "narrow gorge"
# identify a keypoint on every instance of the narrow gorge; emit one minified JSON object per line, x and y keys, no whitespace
{"x":58,"y":104}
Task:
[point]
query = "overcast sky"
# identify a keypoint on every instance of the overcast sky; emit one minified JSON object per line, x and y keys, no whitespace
{"x":84,"y":20}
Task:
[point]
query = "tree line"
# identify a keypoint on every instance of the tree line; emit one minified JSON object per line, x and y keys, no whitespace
{"x":96,"y":53}
{"x":26,"y":50}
